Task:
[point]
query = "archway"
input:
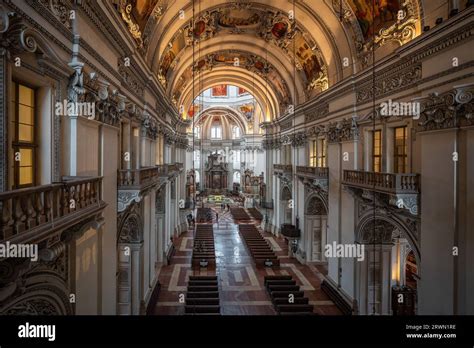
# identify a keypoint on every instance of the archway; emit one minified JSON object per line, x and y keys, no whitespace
{"x":286,"y":203}
{"x":386,"y":242}
{"x":315,"y":229}
{"x":130,"y":254}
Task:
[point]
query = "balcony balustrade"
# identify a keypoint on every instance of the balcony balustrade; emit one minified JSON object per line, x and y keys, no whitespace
{"x":313,"y":172}
{"x":137,"y":178}
{"x":383,"y":182}
{"x":132,"y":183}
{"x":402,"y":189}
{"x":283,"y":168}
{"x":31,"y":214}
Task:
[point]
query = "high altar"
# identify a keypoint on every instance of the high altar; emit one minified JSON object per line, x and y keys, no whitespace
{"x":216,"y":173}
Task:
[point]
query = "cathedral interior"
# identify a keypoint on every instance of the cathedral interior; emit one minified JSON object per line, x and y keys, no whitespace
{"x":240,"y":158}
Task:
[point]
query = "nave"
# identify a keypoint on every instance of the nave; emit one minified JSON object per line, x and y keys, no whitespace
{"x":241,"y":284}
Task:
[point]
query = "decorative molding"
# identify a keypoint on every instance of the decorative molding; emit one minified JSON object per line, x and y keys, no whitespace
{"x":299,"y":139}
{"x":126,"y":197}
{"x":129,"y":79}
{"x":370,"y":217}
{"x":125,"y":8}
{"x":388,"y":83}
{"x":454,"y":108}
{"x":285,"y":125}
{"x":316,"y":205}
{"x":317,"y":113}
{"x":130,"y":231}
{"x":345,"y":130}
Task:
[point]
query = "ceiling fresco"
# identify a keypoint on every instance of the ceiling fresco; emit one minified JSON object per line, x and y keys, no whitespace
{"x":250,"y":62}
{"x":296,"y":44}
{"x":375,"y":24}
{"x":371,"y":18}
{"x":271,"y":25}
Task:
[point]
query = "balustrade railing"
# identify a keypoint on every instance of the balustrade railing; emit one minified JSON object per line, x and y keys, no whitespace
{"x":137,"y":177}
{"x":42,"y":207}
{"x":320,"y":172}
{"x":388,"y":182}
{"x":283,"y":167}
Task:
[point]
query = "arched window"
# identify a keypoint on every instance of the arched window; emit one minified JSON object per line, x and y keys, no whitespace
{"x":236,"y":177}
{"x":216,"y":131}
{"x":235,"y":132}
{"x":196,"y":176}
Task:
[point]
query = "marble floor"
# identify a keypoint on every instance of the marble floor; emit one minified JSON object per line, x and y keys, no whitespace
{"x":240,"y":283}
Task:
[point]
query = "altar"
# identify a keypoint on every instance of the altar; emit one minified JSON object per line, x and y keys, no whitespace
{"x":216,"y":173}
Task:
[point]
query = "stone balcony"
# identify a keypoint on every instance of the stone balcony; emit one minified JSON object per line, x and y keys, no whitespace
{"x":34,"y":214}
{"x":138,"y":179}
{"x":313,"y":176}
{"x":134,"y":183}
{"x":402,"y":190}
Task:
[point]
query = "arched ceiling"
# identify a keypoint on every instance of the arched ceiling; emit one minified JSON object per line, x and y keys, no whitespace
{"x":284,"y":51}
{"x":225,"y":115}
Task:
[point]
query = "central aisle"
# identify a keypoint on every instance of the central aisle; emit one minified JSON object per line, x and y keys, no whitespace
{"x":240,"y":282}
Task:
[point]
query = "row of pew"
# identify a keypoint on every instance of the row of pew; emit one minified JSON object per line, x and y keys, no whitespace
{"x":261,"y":251}
{"x":203,"y":215}
{"x":239,"y":214}
{"x":286,"y":295}
{"x":202,"y":297}
{"x":256,"y":214}
{"x":204,"y":252}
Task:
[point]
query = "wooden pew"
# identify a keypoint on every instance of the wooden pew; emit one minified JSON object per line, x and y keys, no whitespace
{"x":202,"y":297}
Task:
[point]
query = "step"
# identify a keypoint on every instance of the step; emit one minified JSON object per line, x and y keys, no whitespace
{"x":297,"y":313}
{"x":265,"y":257}
{"x":295,"y":308}
{"x":195,"y":288}
{"x":202,"y":309}
{"x":277,"y":277}
{"x":202,"y":301}
{"x":202,"y":313}
{"x":202,"y":294}
{"x":285,"y":294}
{"x":280,"y":282}
{"x":202,"y":282}
{"x":283,"y":288}
{"x":262,"y":252}
{"x":296,"y":300}
{"x":203,"y":278}
{"x":270,"y":256}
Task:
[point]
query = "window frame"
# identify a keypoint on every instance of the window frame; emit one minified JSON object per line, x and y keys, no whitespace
{"x":321,"y":154}
{"x":375,"y":156}
{"x":16,"y":144}
{"x":235,"y":130}
{"x":218,"y":129}
{"x":313,"y":150}
{"x":396,"y":155}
